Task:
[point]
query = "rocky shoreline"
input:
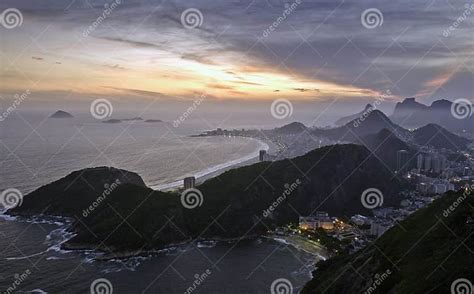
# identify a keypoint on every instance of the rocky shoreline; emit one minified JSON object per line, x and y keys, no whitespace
{"x":111,"y":254}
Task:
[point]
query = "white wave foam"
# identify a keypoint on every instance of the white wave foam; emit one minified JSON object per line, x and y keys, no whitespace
{"x":39,"y":219}
{"x":279,"y":240}
{"x":38,"y":291}
{"x":206,"y":244}
{"x":7,"y":217}
{"x":26,"y":257}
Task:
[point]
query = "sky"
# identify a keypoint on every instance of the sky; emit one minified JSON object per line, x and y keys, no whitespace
{"x":240,"y":50}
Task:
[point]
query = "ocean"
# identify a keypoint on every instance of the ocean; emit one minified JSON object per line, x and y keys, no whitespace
{"x":37,"y":151}
{"x":30,"y":255}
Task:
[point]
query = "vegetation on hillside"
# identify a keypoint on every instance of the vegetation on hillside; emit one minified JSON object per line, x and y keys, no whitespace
{"x":425,"y":253}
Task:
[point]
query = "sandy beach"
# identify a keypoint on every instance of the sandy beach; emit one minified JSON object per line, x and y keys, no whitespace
{"x":216,"y":170}
{"x":303,"y":244}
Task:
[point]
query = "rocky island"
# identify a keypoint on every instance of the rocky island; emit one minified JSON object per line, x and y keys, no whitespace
{"x":61,"y":114}
{"x":112,"y":121}
{"x":116,"y":120}
{"x":153,"y":121}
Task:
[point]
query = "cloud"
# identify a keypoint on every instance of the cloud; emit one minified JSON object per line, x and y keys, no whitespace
{"x":248,"y":83}
{"x":301,"y":89}
{"x":198,"y":57}
{"x":320,"y":41}
{"x":220,"y":86}
{"x":114,"y":66}
{"x":138,"y":92}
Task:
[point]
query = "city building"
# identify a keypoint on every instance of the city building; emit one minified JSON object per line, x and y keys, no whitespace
{"x":466,"y":171}
{"x":402,"y":160}
{"x":377,"y":228}
{"x":427,"y":162}
{"x":346,"y":235}
{"x":422,"y":188}
{"x":319,"y":220}
{"x":428,"y":185}
{"x":438,"y":163}
{"x":419,"y":162}
{"x":262,"y":155}
{"x":359,"y":219}
{"x":189,"y":183}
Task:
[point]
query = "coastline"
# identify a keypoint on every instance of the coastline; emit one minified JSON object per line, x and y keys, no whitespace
{"x":302,"y":244}
{"x":218,"y":169}
{"x":104,"y":253}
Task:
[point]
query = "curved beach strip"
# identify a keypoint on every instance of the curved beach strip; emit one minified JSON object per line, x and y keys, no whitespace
{"x":214,"y":170}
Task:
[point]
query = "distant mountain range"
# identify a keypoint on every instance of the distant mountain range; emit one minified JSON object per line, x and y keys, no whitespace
{"x":370,"y":127}
{"x":425,"y":253}
{"x":291,"y":128}
{"x":370,"y":122}
{"x":412,"y":114}
{"x":373,"y":122}
{"x":330,"y":179}
{"x":346,"y":119}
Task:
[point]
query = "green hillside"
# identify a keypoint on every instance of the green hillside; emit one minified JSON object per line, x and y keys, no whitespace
{"x":425,"y":253}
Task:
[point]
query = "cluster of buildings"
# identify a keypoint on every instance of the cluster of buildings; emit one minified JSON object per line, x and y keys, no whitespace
{"x":431,"y":163}
{"x":438,"y":171}
{"x":386,"y":217}
{"x":430,"y":186}
{"x":293,"y":145}
{"x":320,"y":219}
{"x":360,"y":229}
{"x":333,"y":226}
